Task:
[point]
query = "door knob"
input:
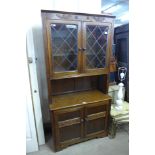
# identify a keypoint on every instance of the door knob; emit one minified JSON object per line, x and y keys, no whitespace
{"x":82,"y":120}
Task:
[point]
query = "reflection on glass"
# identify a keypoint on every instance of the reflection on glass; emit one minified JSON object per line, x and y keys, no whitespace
{"x":64,"y":47}
{"x":96,"y":45}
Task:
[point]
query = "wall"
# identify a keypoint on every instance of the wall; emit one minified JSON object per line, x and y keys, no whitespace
{"x":87,"y":6}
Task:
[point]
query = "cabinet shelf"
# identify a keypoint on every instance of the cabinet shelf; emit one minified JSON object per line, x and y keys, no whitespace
{"x":63,"y":55}
{"x":66,"y":75}
{"x":78,"y":98}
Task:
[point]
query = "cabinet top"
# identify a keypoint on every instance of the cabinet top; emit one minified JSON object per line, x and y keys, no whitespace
{"x":77,"y":13}
{"x":78,"y":98}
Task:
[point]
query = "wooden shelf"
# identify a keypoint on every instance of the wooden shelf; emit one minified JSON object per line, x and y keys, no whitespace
{"x":78,"y":98}
{"x":76,"y":75}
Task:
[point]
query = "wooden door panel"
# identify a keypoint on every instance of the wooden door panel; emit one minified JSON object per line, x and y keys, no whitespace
{"x":68,"y":133}
{"x":94,"y":126}
{"x":96,"y":118}
{"x":69,"y":125}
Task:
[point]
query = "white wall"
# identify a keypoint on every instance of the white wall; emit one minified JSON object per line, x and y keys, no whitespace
{"x":86,"y":6}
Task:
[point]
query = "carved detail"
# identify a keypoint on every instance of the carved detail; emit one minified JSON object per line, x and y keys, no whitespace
{"x":66,"y":16}
{"x":87,"y":17}
{"x":63,"y":16}
{"x":99,"y":19}
{"x":76,"y":17}
{"x":59,"y":15}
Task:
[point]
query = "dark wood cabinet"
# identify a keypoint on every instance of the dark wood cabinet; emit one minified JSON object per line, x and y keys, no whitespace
{"x":79,"y":116}
{"x":77,"y":43}
{"x":77,"y":54}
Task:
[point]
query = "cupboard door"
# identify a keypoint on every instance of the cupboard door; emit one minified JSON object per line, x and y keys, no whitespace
{"x":69,"y":126}
{"x":96,"y":119}
{"x":63,"y":45}
{"x":96,"y":43}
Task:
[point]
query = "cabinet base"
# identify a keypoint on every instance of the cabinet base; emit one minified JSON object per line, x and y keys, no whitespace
{"x":63,"y":146}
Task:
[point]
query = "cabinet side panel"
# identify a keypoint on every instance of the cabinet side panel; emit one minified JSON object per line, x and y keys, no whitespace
{"x":46,"y":55}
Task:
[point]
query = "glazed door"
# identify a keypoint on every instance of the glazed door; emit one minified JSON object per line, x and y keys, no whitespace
{"x":64,"y":42}
{"x":96,"y":116}
{"x":69,"y":126}
{"x":96,"y":44}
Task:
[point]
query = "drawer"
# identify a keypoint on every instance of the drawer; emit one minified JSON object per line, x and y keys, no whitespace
{"x":68,"y":114}
{"x":96,"y":107}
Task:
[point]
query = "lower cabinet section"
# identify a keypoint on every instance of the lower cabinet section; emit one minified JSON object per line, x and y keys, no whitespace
{"x":79,"y":123}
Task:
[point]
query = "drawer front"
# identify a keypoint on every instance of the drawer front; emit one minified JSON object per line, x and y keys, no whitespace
{"x":69,"y":126}
{"x":96,"y":117}
{"x":96,"y":107}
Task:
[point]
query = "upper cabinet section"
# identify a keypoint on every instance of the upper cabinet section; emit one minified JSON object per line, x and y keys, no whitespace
{"x":76,"y":44}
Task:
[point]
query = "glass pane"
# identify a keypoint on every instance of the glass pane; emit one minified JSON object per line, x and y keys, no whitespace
{"x":96,"y":45}
{"x":64,"y":47}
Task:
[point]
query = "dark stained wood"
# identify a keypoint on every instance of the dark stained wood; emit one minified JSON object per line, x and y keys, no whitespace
{"x":64,"y":86}
{"x":54,"y":133}
{"x":69,"y":122}
{"x":65,"y":12}
{"x":91,"y":72}
{"x":95,"y":116}
{"x":75,"y":122}
{"x":103,"y":83}
{"x":64,"y":128}
{"x":78,"y":100}
{"x":83,"y":83}
{"x":65,"y":18}
{"x":46,"y":56}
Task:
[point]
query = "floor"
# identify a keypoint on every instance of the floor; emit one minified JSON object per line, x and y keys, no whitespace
{"x":101,"y":146}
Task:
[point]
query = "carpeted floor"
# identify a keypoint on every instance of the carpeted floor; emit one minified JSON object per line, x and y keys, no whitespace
{"x":101,"y":146}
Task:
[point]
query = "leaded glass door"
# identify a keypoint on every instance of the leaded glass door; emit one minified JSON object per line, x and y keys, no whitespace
{"x":64,"y":44}
{"x":96,"y":46}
